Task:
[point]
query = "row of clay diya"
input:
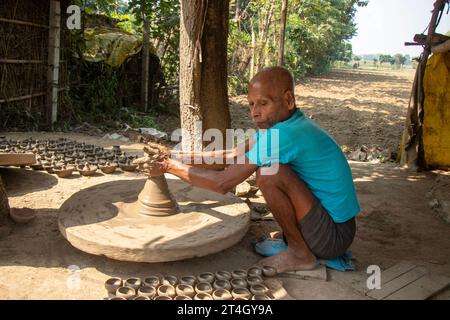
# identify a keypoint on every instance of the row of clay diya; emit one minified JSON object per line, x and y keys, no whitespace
{"x":63,"y":156}
{"x":223,"y":285}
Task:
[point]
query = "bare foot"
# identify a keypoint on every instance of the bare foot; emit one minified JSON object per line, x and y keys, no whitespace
{"x":286,"y":260}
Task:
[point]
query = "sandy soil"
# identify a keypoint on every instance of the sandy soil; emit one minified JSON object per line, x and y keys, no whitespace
{"x":396,"y":222}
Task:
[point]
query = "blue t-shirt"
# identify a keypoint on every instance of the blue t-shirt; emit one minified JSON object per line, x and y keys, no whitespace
{"x":316,"y":158}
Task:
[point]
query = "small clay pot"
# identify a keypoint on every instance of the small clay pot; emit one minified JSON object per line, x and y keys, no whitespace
{"x":112,"y":284}
{"x":152,"y":281}
{"x":203,"y":296}
{"x":134,"y":283}
{"x":170,"y":280}
{"x":87,"y":173}
{"x":128,"y":167}
{"x":117,"y":298}
{"x":260,"y":297}
{"x":185,"y":290}
{"x":108,"y":169}
{"x":22,"y":215}
{"x":240,"y":298}
{"x":223,"y":275}
{"x":206,"y":277}
{"x":238,"y":283}
{"x":203,"y":287}
{"x":141,"y":298}
{"x":222,"y":294}
{"x":241,"y":292}
{"x":259,"y":289}
{"x":149,"y":292}
{"x":125,"y":292}
{"x":162,"y":298}
{"x":254,"y":271}
{"x":190,"y":280}
{"x":252,"y":280}
{"x":64,"y":173}
{"x":269,"y":271}
{"x":166,"y":290}
{"x":182,"y":298}
{"x":222,"y":284}
{"x":239,"y":274}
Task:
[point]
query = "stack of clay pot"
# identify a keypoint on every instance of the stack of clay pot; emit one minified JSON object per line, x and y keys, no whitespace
{"x":63,"y":156}
{"x":223,"y":285}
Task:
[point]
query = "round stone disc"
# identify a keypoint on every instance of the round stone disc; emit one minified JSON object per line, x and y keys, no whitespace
{"x":97,"y":220}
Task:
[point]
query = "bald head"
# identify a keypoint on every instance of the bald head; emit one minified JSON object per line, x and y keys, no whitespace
{"x":271,"y":96}
{"x":278,"y":78}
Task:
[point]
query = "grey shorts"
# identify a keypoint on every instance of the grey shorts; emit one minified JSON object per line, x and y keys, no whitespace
{"x":324,"y":237}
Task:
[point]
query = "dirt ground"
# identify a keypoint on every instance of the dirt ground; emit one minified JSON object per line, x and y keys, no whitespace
{"x":357,"y":107}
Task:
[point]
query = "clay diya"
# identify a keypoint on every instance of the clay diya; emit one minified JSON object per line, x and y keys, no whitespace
{"x":117,"y":298}
{"x":108,"y":168}
{"x":203,"y":287}
{"x":190,"y":280}
{"x":170,"y":280}
{"x":125,"y":292}
{"x":162,"y":298}
{"x":87,"y":170}
{"x":254,"y":271}
{"x":261,"y":297}
{"x":64,"y":172}
{"x":182,"y":298}
{"x":141,"y":298}
{"x":206,"y":277}
{"x":134,"y":283}
{"x":223,"y":275}
{"x":269,"y":271}
{"x":203,"y":296}
{"x":148,"y":292}
{"x":112,"y":284}
{"x":259,"y":289}
{"x":238,"y":283}
{"x":222,"y":294}
{"x":241,"y":293}
{"x":240,"y":298}
{"x":239,"y":274}
{"x":222,"y":284}
{"x":128,"y":166}
{"x":185,"y":290}
{"x":152,"y":281}
{"x":22,"y":215}
{"x":166,"y":290}
{"x":252,"y":280}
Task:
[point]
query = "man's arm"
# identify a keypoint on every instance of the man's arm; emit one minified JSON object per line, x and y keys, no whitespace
{"x":217,"y":181}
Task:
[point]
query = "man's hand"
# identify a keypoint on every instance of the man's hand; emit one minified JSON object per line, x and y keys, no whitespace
{"x":155,"y":162}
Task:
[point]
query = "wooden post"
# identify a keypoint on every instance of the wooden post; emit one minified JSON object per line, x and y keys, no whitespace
{"x":145,"y":63}
{"x":282,"y":33}
{"x":53,"y":59}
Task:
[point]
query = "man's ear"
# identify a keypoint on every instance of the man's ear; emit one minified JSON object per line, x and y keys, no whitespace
{"x":290,"y":99}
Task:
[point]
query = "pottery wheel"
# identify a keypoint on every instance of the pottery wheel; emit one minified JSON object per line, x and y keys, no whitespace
{"x":17,"y":159}
{"x":103,"y":220}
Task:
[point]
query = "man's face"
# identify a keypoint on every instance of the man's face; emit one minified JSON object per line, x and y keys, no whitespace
{"x":268,"y":104}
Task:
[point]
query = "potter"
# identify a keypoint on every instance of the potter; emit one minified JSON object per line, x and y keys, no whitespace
{"x":306,"y":181}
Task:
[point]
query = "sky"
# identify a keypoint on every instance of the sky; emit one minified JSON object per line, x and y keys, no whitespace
{"x":384,"y":26}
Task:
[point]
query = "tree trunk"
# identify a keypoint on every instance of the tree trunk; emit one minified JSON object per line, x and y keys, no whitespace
{"x":282,"y":33}
{"x":203,"y":69}
{"x":145,"y":63}
{"x":4,"y":206}
{"x":253,"y":55}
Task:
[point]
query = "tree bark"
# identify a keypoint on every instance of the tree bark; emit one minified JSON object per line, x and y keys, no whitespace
{"x":282,"y":33}
{"x":145,"y":63}
{"x":203,"y":69}
{"x":4,"y":206}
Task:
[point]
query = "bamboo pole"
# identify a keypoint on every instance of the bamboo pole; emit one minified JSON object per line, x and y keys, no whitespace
{"x":53,"y":59}
{"x":24,"y":23}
